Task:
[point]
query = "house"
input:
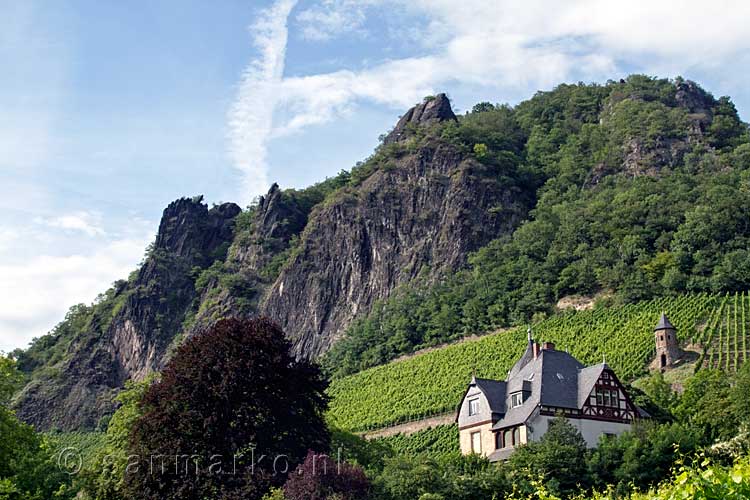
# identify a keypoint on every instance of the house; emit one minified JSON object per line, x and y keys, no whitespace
{"x":496,"y":416}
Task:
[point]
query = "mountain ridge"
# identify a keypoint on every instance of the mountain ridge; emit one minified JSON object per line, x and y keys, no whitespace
{"x":373,"y":262}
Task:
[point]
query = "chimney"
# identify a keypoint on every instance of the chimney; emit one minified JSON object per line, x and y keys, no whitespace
{"x":535,"y":349}
{"x":548,"y":345}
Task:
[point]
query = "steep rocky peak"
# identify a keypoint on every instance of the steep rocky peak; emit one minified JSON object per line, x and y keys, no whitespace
{"x":432,"y":110}
{"x":277,"y":217}
{"x":694,"y":99}
{"x":188,"y":228}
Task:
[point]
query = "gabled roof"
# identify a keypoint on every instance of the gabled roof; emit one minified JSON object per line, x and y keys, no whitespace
{"x":587,"y":378}
{"x":526,"y":358}
{"x":552,"y":379}
{"x":664,"y":324}
{"x":494,"y":391}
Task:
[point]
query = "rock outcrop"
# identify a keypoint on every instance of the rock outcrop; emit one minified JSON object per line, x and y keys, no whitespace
{"x":434,"y":109}
{"x":128,"y":335}
{"x":422,"y":216}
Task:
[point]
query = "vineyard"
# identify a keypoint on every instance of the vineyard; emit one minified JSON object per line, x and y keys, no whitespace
{"x":439,"y":442}
{"x":725,"y":335}
{"x":433,"y":382}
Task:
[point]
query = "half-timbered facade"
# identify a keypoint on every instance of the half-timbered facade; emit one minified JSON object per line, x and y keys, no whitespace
{"x":497,"y":416}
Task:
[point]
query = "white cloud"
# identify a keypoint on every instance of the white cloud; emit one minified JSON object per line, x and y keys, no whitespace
{"x":324,"y":21}
{"x":88,"y":223}
{"x":501,"y":47}
{"x":507,"y":45}
{"x":251,"y":115}
{"x":35,"y":294}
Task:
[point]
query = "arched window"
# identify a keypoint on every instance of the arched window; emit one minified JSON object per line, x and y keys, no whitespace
{"x":507,"y":438}
{"x":516,"y":436}
{"x":498,"y":440}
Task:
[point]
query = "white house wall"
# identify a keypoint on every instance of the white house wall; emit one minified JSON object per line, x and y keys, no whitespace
{"x":591,"y":430}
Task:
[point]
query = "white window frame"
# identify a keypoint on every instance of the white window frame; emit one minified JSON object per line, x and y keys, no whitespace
{"x":473,"y":407}
{"x":516,"y":399}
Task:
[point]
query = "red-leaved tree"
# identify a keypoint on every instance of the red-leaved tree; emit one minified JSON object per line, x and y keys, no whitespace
{"x":320,"y":477}
{"x":231,"y":415}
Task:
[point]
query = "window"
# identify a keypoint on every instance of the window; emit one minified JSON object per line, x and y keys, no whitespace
{"x":607,"y":397}
{"x":516,"y":436}
{"x":476,"y":442}
{"x":498,"y":440}
{"x":507,"y":438}
{"x":473,"y":406}
{"x":516,"y":399}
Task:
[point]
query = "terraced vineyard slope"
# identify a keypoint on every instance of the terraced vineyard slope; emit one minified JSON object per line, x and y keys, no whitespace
{"x":433,"y":382}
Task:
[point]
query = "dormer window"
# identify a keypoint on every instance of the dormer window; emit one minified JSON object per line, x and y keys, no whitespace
{"x":516,"y":399}
{"x":473,"y":407}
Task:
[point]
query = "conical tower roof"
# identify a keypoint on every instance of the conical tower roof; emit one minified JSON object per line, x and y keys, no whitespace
{"x":664,"y":324}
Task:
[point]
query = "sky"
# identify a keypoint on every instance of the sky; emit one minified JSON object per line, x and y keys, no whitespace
{"x":110,"y":110}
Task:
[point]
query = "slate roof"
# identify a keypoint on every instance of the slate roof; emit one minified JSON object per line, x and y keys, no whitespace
{"x":494,"y":391}
{"x":664,"y":324}
{"x":551,"y":380}
{"x":501,"y":454}
{"x":528,"y":355}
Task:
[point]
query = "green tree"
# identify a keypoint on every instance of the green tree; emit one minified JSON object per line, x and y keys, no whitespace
{"x":104,"y":479}
{"x":660,"y":391}
{"x":707,"y":405}
{"x":559,"y":457}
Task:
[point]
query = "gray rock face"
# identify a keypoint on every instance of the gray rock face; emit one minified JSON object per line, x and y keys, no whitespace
{"x":423,"y":215}
{"x":419,"y":214}
{"x":434,"y":110}
{"x":149,"y":315}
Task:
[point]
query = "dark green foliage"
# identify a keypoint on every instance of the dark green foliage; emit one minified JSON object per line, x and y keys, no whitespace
{"x":104,"y":470}
{"x":10,"y":378}
{"x":420,"y":477}
{"x":659,"y":398}
{"x":28,"y":469}
{"x":559,"y":457}
{"x":740,"y":394}
{"x":227,"y":397}
{"x":640,"y":458}
{"x":706,"y":404}
{"x":360,"y":451}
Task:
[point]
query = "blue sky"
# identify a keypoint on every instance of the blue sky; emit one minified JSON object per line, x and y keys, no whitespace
{"x":110,"y":110}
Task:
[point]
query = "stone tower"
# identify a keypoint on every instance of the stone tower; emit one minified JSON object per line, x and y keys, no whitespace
{"x":667,"y":349}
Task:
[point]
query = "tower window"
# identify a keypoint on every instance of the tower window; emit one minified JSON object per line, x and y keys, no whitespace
{"x":661,"y":337}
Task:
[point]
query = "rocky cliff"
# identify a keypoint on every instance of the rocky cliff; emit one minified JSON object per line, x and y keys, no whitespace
{"x":128,"y":332}
{"x":424,"y":214}
{"x":313,"y":260}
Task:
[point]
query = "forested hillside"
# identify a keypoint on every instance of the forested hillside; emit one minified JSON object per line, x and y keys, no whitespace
{"x":642,"y":189}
